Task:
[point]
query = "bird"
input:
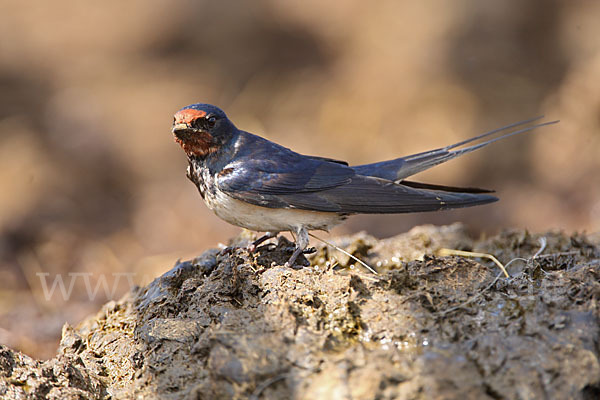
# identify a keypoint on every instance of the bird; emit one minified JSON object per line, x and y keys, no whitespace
{"x":254,"y":183}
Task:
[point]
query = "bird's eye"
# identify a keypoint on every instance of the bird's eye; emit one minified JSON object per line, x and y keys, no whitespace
{"x":211,"y":120}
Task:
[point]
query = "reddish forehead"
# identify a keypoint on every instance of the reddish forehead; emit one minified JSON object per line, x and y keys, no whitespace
{"x":188,"y":115}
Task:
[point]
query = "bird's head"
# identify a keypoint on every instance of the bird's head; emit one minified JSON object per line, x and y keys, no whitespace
{"x":201,"y":129}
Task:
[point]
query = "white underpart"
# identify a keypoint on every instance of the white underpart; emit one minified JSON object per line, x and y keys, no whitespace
{"x":265,"y":219}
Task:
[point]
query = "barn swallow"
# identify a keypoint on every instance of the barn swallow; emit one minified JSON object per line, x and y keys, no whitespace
{"x":259,"y":185}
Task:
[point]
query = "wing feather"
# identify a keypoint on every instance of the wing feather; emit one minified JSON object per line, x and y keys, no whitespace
{"x":273,"y":176}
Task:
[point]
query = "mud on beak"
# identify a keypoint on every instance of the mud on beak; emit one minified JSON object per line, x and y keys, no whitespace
{"x":181,"y":130}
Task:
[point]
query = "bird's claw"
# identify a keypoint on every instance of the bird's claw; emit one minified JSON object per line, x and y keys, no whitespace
{"x":254,"y":245}
{"x":227,"y":251}
{"x":252,"y":248}
{"x":293,"y":265}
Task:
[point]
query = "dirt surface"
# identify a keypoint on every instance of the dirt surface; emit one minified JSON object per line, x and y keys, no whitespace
{"x":230,"y":324}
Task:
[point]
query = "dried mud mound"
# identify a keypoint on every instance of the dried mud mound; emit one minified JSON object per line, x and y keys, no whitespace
{"x":231,"y":324}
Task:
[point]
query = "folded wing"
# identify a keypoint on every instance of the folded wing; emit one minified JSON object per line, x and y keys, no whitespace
{"x":332,"y":187}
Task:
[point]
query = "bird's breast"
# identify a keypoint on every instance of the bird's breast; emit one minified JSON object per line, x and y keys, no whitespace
{"x":196,"y":174}
{"x":257,"y":218}
{"x":253,"y":217}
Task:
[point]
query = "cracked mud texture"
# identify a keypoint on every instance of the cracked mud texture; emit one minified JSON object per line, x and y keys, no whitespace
{"x":234,"y":325}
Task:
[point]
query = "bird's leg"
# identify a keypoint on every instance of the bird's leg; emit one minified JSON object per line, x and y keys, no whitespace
{"x":266,"y":236}
{"x":301,"y":243}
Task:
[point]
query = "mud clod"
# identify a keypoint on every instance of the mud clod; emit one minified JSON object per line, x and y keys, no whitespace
{"x":235,"y":324}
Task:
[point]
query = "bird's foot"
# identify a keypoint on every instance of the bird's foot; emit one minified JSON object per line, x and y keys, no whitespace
{"x":301,"y":243}
{"x":227,"y":251}
{"x":254,"y":245}
{"x":293,"y":260}
{"x":295,"y":265}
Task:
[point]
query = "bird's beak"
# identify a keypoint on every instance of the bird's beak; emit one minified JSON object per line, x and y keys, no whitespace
{"x":181,"y":130}
{"x":178,"y":127}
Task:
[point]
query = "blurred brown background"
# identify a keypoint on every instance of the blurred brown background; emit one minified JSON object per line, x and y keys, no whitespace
{"x":92,"y":182}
